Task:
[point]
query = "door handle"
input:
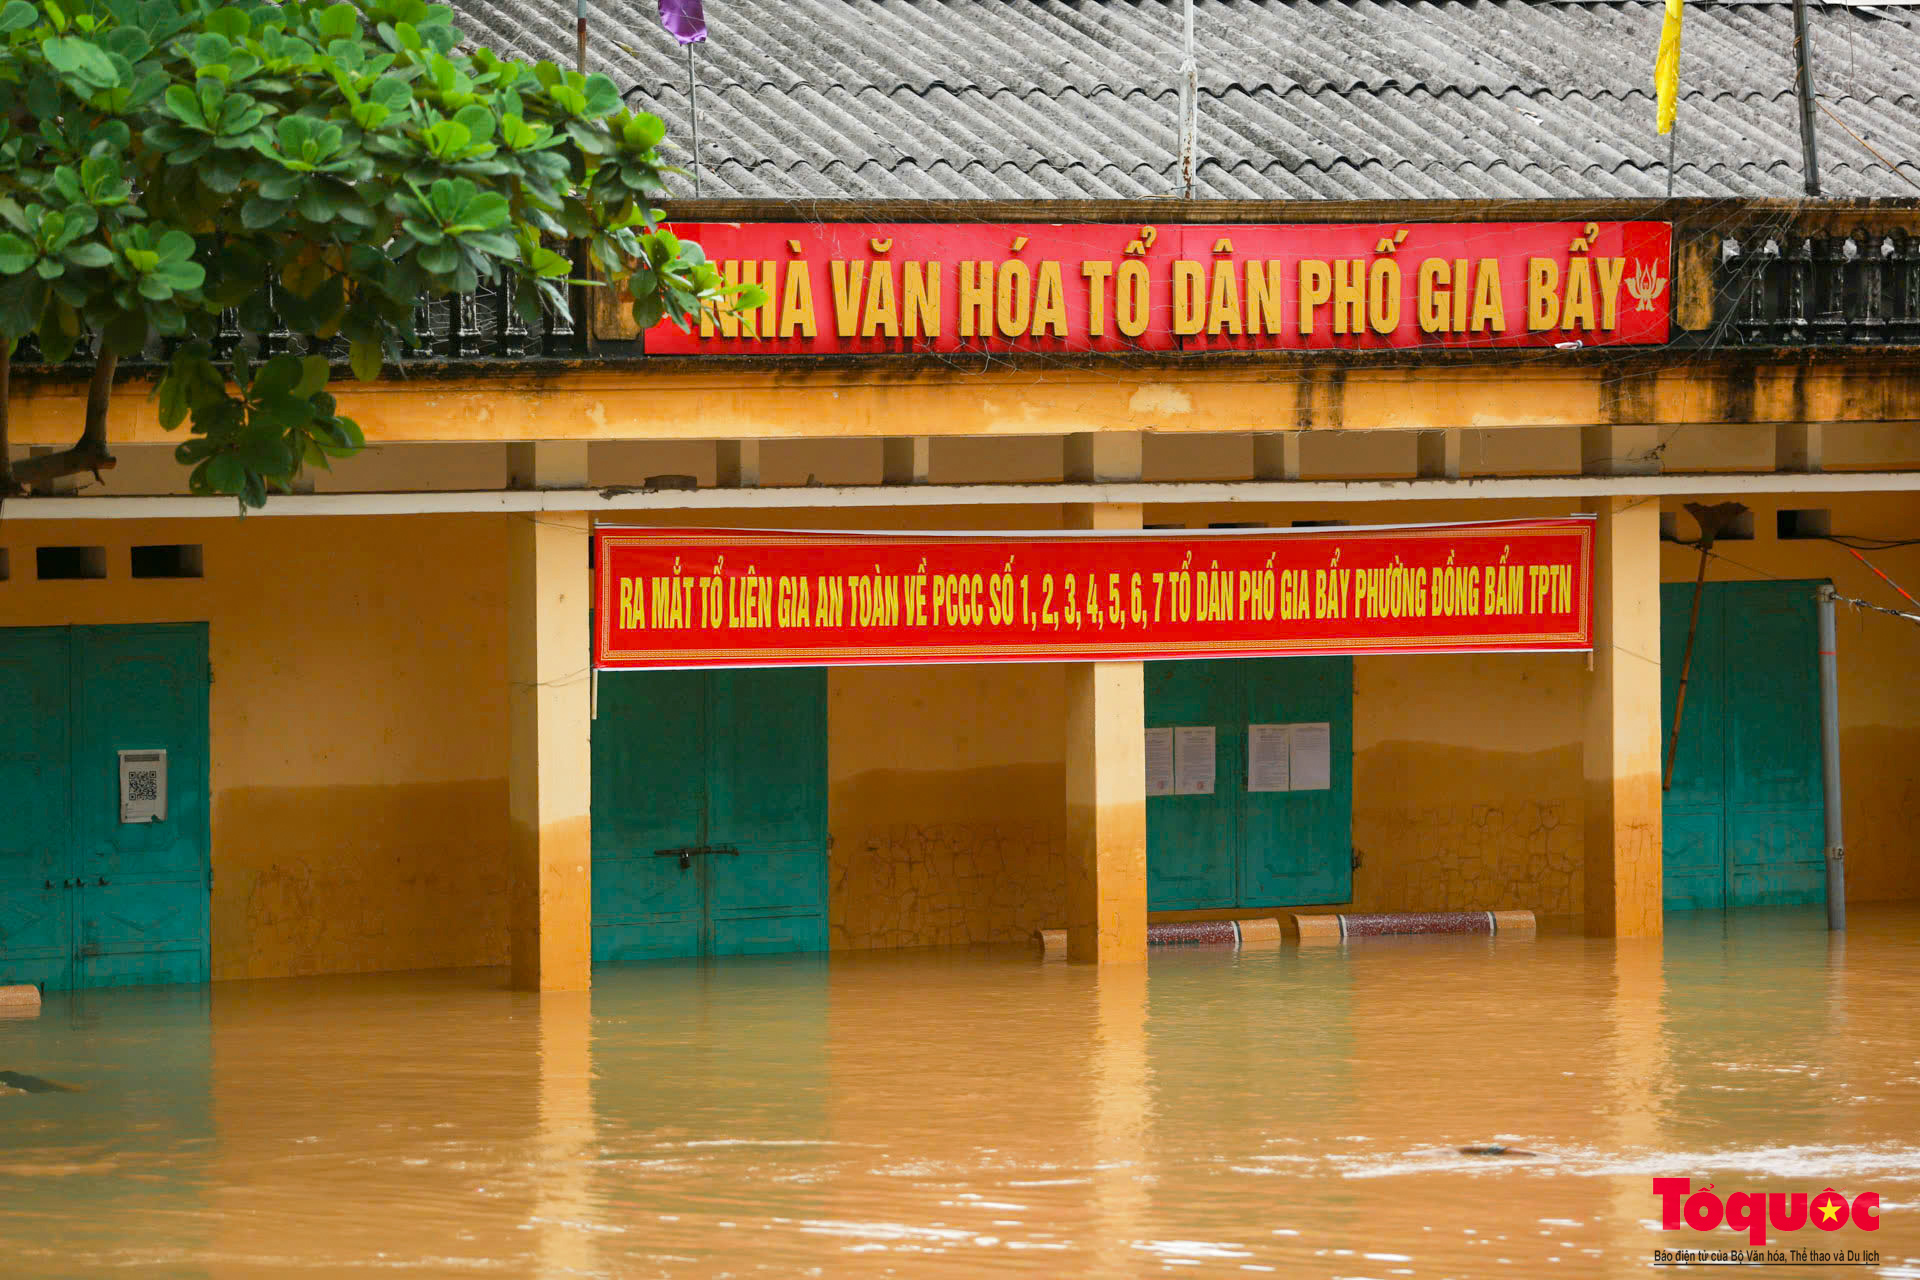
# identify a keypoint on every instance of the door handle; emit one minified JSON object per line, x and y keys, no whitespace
{"x":687,"y":853}
{"x":103,"y":882}
{"x":49,"y":884}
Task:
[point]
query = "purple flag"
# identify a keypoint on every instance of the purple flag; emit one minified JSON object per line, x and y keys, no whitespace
{"x":685,"y":20}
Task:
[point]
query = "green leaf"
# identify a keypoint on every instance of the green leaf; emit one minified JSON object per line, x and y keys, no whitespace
{"x":18,"y":16}
{"x":92,"y":254}
{"x":364,"y":358}
{"x":81,"y":61}
{"x":313,"y":378}
{"x":173,"y":405}
{"x":16,"y":255}
{"x":185,"y":106}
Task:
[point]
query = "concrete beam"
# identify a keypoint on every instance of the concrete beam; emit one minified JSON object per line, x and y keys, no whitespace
{"x":1276,"y":455}
{"x":1439,"y":455}
{"x":736,"y":464}
{"x":905,"y":459}
{"x":1620,"y":451}
{"x":1798,"y":446}
{"x":1102,"y":457}
{"x":547,"y":464}
{"x":1511,"y":488}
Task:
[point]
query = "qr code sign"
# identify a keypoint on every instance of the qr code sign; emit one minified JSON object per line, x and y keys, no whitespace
{"x":143,"y":786}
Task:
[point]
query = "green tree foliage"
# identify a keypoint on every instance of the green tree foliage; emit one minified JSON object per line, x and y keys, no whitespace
{"x":163,"y":161}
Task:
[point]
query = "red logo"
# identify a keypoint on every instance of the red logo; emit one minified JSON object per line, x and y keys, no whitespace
{"x":1754,"y":1211}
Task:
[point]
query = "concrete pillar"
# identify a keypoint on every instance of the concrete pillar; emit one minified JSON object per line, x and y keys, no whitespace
{"x":1276,"y":455}
{"x":1623,"y":734}
{"x":737,"y":464}
{"x":1438,"y":456}
{"x":905,"y":459}
{"x":549,"y":787}
{"x":1797,"y":446}
{"x":1106,"y":792}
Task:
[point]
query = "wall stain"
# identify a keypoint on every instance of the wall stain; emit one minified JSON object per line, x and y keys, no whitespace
{"x":933,"y":859}
{"x":1449,"y":828}
{"x":421,"y":883}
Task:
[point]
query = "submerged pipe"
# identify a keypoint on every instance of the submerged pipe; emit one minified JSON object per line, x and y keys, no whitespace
{"x":1830,"y":764}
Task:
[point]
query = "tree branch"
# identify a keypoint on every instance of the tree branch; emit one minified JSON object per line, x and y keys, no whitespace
{"x":90,"y":454}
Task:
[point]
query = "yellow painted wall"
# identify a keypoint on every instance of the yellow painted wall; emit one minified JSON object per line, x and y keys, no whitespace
{"x":359,"y":739}
{"x":945,"y":803}
{"x":358,"y":715}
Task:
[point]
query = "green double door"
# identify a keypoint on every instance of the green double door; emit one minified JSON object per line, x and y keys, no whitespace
{"x":1744,"y":821}
{"x":709,"y":813}
{"x":1237,"y":844}
{"x":89,"y":898}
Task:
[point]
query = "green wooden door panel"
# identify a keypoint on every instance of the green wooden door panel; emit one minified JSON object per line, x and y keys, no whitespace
{"x":1237,"y":848}
{"x":649,"y":778}
{"x":767,"y":770}
{"x":143,"y":904}
{"x":1297,"y":846}
{"x":1699,"y":773}
{"x":1693,"y":847}
{"x":1746,"y":807}
{"x":726,"y":758}
{"x":35,"y":792}
{"x":1773,"y":695}
{"x":1776,"y":857}
{"x":1693,"y":827}
{"x":1776,"y":818}
{"x":128,"y":904}
{"x":1191,"y":857}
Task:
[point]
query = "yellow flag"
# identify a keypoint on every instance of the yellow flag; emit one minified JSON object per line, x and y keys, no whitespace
{"x":1666,"y":66}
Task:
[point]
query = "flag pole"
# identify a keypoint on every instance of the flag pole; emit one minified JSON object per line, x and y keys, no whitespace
{"x":693,"y":118}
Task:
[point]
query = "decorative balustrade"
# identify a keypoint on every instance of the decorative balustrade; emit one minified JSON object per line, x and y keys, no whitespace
{"x":1781,"y":289}
{"x":1773,"y":287}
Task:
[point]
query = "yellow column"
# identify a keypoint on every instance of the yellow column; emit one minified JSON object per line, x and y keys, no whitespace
{"x":1623,"y":733}
{"x":1106,"y":793}
{"x":550,"y":789}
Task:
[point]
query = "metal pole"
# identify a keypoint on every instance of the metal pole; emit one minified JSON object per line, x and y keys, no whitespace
{"x":1803,"y":89}
{"x":1189,"y":107}
{"x":1830,"y":765}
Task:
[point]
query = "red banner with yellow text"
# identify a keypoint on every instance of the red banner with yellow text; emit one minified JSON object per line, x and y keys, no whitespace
{"x":753,"y":598}
{"x":879,"y":288}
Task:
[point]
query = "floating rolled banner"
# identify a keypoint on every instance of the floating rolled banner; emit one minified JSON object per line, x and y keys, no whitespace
{"x":670,"y":598}
{"x":1263,"y":932}
{"x":1337,"y":928}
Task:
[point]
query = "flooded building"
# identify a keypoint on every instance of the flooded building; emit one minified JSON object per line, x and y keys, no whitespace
{"x":382,"y":725}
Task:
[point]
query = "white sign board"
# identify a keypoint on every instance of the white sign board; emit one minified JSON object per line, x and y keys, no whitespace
{"x":1269,"y":747}
{"x":143,"y":786}
{"x":1193,"y":753}
{"x":1160,"y":761}
{"x":1311,"y":759}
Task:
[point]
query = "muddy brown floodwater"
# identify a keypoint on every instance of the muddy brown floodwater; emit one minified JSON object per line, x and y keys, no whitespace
{"x":967,"y":1113}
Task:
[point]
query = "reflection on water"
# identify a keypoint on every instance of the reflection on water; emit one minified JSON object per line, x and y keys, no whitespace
{"x":969,"y":1112}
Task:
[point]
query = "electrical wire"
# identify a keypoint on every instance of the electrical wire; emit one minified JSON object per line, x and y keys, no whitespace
{"x":1881,"y":575}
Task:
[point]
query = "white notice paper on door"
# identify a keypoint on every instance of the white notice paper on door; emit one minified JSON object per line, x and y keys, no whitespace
{"x":1193,"y":760}
{"x":1160,"y":761}
{"x":1268,"y":748}
{"x":1311,"y":761}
